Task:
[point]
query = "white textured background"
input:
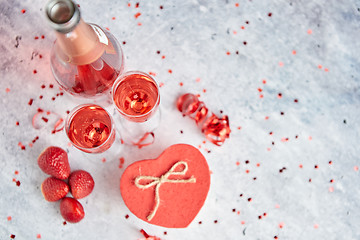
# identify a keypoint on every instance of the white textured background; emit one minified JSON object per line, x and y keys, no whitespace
{"x":202,"y":39}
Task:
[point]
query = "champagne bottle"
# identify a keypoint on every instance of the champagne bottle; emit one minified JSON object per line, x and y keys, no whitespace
{"x":85,"y":59}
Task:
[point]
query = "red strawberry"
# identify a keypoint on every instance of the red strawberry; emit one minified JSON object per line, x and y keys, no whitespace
{"x":71,"y":210}
{"x":81,"y":184}
{"x":54,"y":161}
{"x":54,"y":189}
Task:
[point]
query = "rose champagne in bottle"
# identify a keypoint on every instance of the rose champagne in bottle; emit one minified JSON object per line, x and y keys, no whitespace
{"x":85,"y":59}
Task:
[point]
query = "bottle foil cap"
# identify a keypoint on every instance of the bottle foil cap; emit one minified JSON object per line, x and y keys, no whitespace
{"x":63,"y":15}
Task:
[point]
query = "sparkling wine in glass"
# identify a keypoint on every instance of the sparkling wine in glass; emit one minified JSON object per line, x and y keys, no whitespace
{"x":136,"y":97}
{"x":90,"y":128}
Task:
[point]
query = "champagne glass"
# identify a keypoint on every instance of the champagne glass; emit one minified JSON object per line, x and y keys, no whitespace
{"x":136,"y":97}
{"x":90,"y":128}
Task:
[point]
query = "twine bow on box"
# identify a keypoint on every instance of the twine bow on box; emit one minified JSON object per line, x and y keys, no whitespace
{"x":163,"y":179}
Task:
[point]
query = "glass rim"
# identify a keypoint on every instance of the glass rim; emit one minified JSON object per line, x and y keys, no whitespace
{"x":71,"y":115}
{"x":120,"y":78}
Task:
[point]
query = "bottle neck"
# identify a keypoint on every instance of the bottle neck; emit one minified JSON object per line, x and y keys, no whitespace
{"x":80,"y":46}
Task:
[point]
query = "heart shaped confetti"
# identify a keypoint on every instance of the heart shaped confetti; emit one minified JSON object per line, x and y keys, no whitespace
{"x":168,"y":191}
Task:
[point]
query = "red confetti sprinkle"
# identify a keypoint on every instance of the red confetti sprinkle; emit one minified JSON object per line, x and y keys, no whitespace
{"x":137,"y":15}
{"x":264,"y":81}
{"x":161,"y":7}
{"x":269,"y":14}
{"x":16,"y":172}
{"x":300,"y":166}
{"x":331,"y":189}
{"x":277,"y":206}
{"x":103,"y":160}
{"x":266,"y":118}
{"x":12,"y":236}
{"x":236,"y":4}
{"x":227,"y":53}
{"x":113,"y":18}
{"x":42,"y":36}
{"x":64,"y":223}
{"x":161,"y":84}
{"x":17,"y":123}
{"x":181,"y":84}
{"x":204,"y":90}
{"x":36,"y":37}
{"x":163,"y":56}
{"x":51,"y":85}
{"x":170,"y":71}
{"x":326,"y":69}
{"x":9,"y":218}
{"x":310,"y":138}
{"x":356,"y":168}
{"x":259,"y":89}
{"x":242,"y":222}
{"x":126,"y":216}
{"x":38,"y":236}
{"x":144,"y":233}
{"x":197,"y":79}
{"x":281,"y":64}
{"x":320,"y":66}
{"x":129,"y":4}
{"x":309,"y":31}
{"x":7,"y":90}
{"x":239,"y":128}
{"x":21,"y":146}
{"x":294,"y":52}
{"x":258,"y":164}
{"x":18,"y":183}
{"x":316,"y":226}
{"x":31,"y":101}
{"x":249,"y":199}
{"x":242,"y":27}
{"x":107,"y":28}
{"x":137,"y":5}
{"x":237,"y":163}
{"x":40,"y":56}
{"x":152,"y":74}
{"x":279,"y":95}
{"x":281,"y":225}
{"x":23,"y":11}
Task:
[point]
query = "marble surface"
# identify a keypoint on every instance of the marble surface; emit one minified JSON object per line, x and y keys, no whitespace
{"x":289,"y":169}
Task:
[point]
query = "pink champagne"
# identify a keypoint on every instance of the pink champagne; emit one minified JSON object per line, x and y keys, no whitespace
{"x":136,"y":96}
{"x":85,"y":59}
{"x":90,"y":128}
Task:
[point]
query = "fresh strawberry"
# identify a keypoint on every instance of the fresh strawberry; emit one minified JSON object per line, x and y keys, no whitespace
{"x":54,"y":161}
{"x":54,"y":189}
{"x":71,"y":210}
{"x":81,"y":184}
